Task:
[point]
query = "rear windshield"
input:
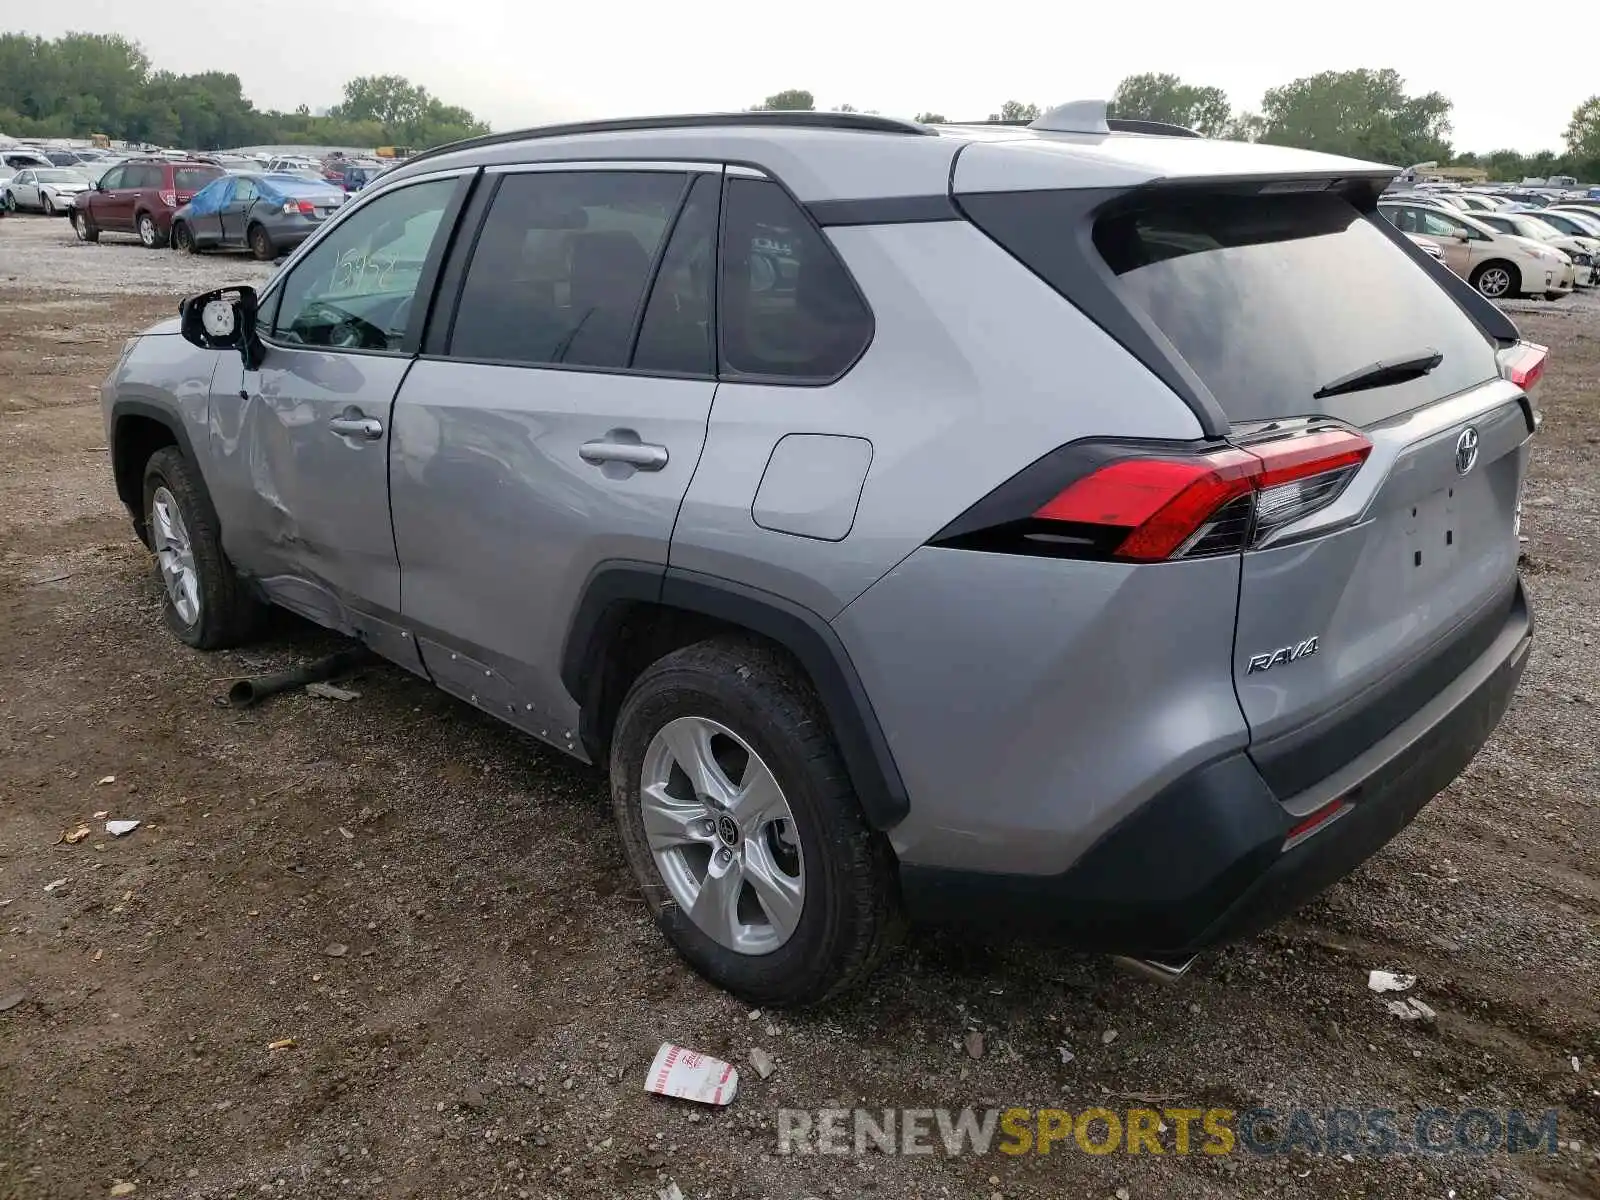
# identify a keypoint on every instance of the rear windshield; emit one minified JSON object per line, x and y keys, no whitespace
{"x":293,"y":185}
{"x":191,"y":179}
{"x":1269,"y":298}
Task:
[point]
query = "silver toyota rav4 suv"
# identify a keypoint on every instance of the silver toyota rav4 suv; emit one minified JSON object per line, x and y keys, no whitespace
{"x":1075,"y":526}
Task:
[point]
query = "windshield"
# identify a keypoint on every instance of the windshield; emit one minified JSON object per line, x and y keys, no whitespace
{"x":1589,"y":225}
{"x":1268,"y":298}
{"x":1528,"y":227}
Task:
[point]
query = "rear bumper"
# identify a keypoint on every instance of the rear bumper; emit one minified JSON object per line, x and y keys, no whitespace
{"x":1204,"y":862}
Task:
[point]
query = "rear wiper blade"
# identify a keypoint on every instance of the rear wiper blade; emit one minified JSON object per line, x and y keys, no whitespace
{"x":1382,"y":373}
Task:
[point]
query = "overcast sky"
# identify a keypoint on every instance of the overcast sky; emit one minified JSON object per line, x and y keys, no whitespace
{"x":517,"y":63}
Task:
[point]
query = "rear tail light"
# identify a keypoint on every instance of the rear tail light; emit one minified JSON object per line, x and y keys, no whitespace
{"x":1148,"y":505}
{"x":170,"y":199}
{"x":304,"y":207}
{"x":1523,"y":364}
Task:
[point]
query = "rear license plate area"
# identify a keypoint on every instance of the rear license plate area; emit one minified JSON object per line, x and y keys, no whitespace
{"x":1433,"y":539}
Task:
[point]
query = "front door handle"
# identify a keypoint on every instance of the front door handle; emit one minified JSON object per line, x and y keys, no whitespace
{"x":353,"y":423}
{"x":640,"y":455}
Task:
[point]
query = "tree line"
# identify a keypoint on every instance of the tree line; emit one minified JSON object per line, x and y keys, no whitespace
{"x":1363,"y":114}
{"x":86,"y":83}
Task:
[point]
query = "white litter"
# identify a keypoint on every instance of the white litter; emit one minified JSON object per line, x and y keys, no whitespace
{"x":762,"y":1062}
{"x":670,"y":1192}
{"x":1411,"y":1010}
{"x":1066,"y":1055}
{"x":103,"y":781}
{"x":55,"y":885}
{"x":1388,"y":981}
{"x":688,"y":1075}
{"x":1576,"y":1065}
{"x":118,"y":828}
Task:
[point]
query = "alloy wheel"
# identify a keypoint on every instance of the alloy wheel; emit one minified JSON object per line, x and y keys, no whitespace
{"x":722,"y":835}
{"x":147,"y":231}
{"x":1496,"y":281}
{"x":175,"y":554}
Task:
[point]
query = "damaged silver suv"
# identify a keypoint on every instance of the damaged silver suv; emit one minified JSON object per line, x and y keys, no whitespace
{"x":1077,"y":525}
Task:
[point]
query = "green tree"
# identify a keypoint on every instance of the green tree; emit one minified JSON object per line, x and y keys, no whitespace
{"x":1583,"y":140}
{"x":1167,"y":98}
{"x":932,"y":118}
{"x":793,"y":100}
{"x":1013,"y":111}
{"x":1363,"y":113}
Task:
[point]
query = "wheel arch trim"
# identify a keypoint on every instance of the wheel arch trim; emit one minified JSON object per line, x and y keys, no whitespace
{"x":810,"y":639}
{"x":130,"y":481}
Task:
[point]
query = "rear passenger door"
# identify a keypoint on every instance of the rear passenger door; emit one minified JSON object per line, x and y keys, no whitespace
{"x":554,"y":420}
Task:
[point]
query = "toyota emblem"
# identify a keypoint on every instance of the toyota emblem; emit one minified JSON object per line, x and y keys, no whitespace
{"x":1466,"y":450}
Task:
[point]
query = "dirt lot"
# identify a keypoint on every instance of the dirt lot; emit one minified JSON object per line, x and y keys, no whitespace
{"x":487,"y":1029}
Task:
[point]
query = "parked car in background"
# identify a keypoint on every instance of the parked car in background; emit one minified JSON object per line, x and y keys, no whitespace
{"x":64,"y":158}
{"x":1499,"y":265}
{"x":49,"y":190}
{"x":139,"y":197}
{"x":1529,"y":199}
{"x":353,"y":176}
{"x":1581,"y":222}
{"x":1478,"y":202}
{"x":1581,"y":249}
{"x":12,"y":161}
{"x":293,"y":162}
{"x":264,"y":213}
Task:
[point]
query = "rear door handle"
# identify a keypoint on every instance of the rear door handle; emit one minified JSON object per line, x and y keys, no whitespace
{"x":641,"y":455}
{"x":353,"y":423}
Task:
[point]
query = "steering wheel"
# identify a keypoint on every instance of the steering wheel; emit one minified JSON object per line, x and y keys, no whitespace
{"x":345,"y":330}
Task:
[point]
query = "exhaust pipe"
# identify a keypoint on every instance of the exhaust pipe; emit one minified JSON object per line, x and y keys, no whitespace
{"x":1150,"y":968}
{"x":246,"y":692}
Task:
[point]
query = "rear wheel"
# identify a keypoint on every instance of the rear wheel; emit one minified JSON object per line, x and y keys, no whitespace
{"x":183,"y":238}
{"x":1497,"y":280}
{"x":84,"y":227}
{"x":150,"y":234}
{"x":742,"y":828}
{"x":261,"y":243}
{"x":207,"y":605}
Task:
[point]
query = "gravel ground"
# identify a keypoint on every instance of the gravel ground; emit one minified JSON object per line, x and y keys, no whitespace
{"x":438,"y":914}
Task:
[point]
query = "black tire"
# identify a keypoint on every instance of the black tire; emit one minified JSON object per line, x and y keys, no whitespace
{"x":47,"y":205}
{"x":150,"y":235}
{"x":850,"y":914}
{"x":229,"y":614}
{"x":84,"y":227}
{"x":183,"y":238}
{"x":1476,"y":279}
{"x":261,"y":243}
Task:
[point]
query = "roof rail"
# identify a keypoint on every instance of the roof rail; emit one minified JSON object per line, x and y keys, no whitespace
{"x":1159,"y":128}
{"x":854,"y":122}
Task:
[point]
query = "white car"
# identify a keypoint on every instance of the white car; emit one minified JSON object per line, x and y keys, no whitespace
{"x":48,"y":189}
{"x":1500,"y":265}
{"x":1582,"y":247}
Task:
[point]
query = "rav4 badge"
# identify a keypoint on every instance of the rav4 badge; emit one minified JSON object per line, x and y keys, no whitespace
{"x":1287,"y":654}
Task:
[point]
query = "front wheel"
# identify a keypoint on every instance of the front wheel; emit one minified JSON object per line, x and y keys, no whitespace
{"x":261,"y":244}
{"x":85,"y":230}
{"x":742,"y":828}
{"x":150,"y":235}
{"x":1497,"y":280}
{"x":207,"y":605}
{"x":183,"y":238}
{"x":49,"y":205}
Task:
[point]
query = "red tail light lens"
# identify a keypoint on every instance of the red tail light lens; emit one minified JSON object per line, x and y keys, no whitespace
{"x":1151,"y":502}
{"x":299,"y":206}
{"x":1523,"y":364}
{"x":170,"y":199}
{"x":1170,"y":506}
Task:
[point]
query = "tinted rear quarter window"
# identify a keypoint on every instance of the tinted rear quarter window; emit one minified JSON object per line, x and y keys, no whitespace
{"x":1268,"y":298}
{"x":787,"y":307}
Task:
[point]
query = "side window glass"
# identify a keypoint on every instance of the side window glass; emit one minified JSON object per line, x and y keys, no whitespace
{"x":244,"y":191}
{"x":786,"y":306}
{"x":112,"y":178}
{"x":354,"y":290}
{"x":561,"y":266}
{"x":676,"y":334}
